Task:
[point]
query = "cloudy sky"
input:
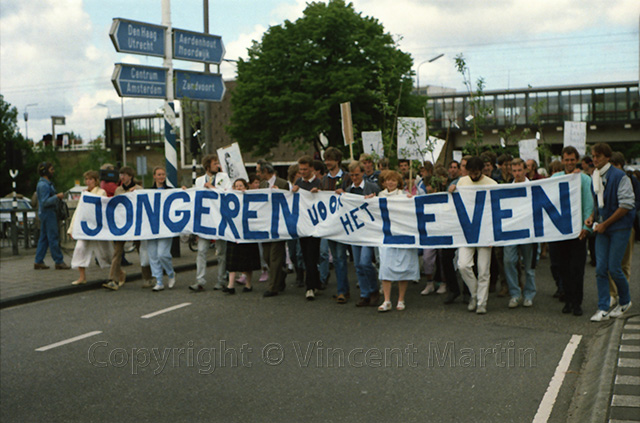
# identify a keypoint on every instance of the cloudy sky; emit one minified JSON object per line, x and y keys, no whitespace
{"x":57,"y":53}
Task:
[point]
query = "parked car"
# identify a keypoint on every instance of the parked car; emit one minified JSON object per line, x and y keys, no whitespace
{"x":6,"y":205}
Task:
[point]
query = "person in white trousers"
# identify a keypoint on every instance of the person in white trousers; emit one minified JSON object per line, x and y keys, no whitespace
{"x":212,"y":178}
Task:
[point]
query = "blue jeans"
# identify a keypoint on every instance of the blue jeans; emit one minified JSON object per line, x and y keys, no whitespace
{"x":160,"y":257}
{"x":511,"y":255}
{"x":367,"y":273}
{"x":610,"y":249}
{"x":339,"y":253}
{"x":323,"y":263}
{"x":295,"y":253}
{"x":49,"y":238}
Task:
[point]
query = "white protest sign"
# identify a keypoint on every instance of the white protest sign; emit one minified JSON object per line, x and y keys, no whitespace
{"x":575,"y":134}
{"x":538,"y":211}
{"x":231,"y":162}
{"x":529,"y":150}
{"x":372,"y":143}
{"x":457,"y":155}
{"x":412,"y":136}
{"x":433,"y":149}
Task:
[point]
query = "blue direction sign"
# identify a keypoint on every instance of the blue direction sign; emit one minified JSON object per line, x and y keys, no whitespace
{"x":199,"y":85}
{"x":137,"y":37}
{"x":197,"y":46}
{"x":140,"y":81}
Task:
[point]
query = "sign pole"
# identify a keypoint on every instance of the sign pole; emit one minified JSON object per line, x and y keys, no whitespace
{"x":170,"y":152}
{"x":124,"y":143}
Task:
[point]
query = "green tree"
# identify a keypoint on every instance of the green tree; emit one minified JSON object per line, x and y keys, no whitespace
{"x":291,"y":86}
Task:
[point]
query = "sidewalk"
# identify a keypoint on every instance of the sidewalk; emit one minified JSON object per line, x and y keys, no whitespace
{"x":20,"y":283}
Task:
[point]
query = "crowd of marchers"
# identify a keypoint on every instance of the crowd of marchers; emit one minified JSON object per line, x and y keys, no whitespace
{"x":610,"y":200}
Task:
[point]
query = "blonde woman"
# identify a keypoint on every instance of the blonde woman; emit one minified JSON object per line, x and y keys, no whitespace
{"x":396,"y":264}
{"x":86,"y":249}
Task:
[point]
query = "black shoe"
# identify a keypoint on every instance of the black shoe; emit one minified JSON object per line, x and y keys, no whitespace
{"x":577,"y":310}
{"x":245,"y":289}
{"x":451,"y":297}
{"x":268,"y":294}
{"x":568,"y":309}
{"x":228,"y":290}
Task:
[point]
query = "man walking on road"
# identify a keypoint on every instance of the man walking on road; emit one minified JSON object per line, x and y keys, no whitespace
{"x":274,"y":252}
{"x":479,"y":287}
{"x":513,"y":253}
{"x":612,"y":220}
{"x":572,"y":253}
{"x":212,"y":178}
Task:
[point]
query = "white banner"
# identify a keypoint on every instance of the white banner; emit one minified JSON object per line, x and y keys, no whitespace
{"x":511,"y":214}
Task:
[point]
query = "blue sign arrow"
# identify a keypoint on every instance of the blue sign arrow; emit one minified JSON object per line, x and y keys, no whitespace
{"x":199,"y":86}
{"x":137,"y":37}
{"x":197,"y":47}
{"x":140,"y":81}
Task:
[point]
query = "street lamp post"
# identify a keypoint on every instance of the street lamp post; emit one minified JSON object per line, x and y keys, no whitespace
{"x":106,"y":107}
{"x":26,"y":119}
{"x":433,"y":59}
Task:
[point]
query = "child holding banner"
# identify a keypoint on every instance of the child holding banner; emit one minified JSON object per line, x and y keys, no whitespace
{"x":396,"y":264}
{"x":244,"y":258}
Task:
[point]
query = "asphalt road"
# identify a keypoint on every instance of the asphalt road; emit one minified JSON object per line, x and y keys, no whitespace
{"x":247,"y":358}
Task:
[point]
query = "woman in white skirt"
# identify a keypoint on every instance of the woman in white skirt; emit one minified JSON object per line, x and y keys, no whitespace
{"x":396,"y":264}
{"x":86,"y":249}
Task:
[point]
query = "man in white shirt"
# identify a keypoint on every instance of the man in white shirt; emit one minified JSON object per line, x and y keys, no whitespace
{"x":479,"y":287}
{"x":212,"y":178}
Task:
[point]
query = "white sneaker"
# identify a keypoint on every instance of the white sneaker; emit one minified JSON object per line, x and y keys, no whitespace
{"x":428,"y":289}
{"x":472,"y":304}
{"x":527,"y":303}
{"x":159,"y":287}
{"x":613,"y":301}
{"x":171,"y":281}
{"x":481,"y":310}
{"x":514,"y":302}
{"x":600,"y":316}
{"x":442,"y":289}
{"x":619,"y":310}
{"x":310,"y":295}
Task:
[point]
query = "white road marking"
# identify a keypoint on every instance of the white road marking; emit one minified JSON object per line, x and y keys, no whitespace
{"x":630,"y":336}
{"x":627,"y":380}
{"x":629,"y":348}
{"x":628,"y":362}
{"x":549,"y":399}
{"x":68,"y":341}
{"x":166,"y":310}
{"x":625,"y":401}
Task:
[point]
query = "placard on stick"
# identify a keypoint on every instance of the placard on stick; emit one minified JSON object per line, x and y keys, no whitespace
{"x":231,"y":162}
{"x":372,"y":143}
{"x":575,"y":134}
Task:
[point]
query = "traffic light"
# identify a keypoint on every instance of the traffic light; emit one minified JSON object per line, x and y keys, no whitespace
{"x":195,"y":140}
